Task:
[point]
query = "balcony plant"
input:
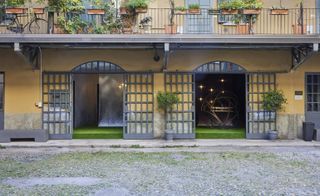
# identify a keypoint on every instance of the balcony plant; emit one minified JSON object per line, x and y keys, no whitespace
{"x":171,"y":28}
{"x":231,"y":7}
{"x":252,"y":7}
{"x":139,"y":6}
{"x":180,"y":10}
{"x":14,"y":6}
{"x":166,"y":101}
{"x":146,"y":24}
{"x":97,"y":7}
{"x":279,"y":10}
{"x":123,"y":10}
{"x":242,"y":27}
{"x":300,"y":27}
{"x":273,"y":102}
{"x":194,"y":8}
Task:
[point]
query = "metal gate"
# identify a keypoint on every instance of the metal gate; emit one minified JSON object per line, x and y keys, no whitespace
{"x":259,"y":121}
{"x":57,"y":105}
{"x":138,"y":106}
{"x":182,"y":118}
{"x":313,"y":98}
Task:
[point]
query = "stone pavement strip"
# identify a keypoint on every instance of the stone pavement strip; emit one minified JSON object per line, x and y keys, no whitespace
{"x":160,"y":143}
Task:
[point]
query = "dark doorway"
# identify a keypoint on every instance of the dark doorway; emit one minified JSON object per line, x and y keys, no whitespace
{"x":220,"y":105}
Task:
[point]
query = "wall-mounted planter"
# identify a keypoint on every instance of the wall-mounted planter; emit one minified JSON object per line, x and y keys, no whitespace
{"x":229,"y":12}
{"x":16,"y":10}
{"x":279,"y":12}
{"x":123,"y":11}
{"x":141,"y":10}
{"x":38,"y":10}
{"x":251,"y":11}
{"x":180,"y":12}
{"x":194,"y":11}
{"x":96,"y":11}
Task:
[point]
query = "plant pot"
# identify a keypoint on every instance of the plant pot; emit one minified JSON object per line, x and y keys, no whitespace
{"x":37,"y":10}
{"x":251,"y":11}
{"x":229,"y":12}
{"x":16,"y":10}
{"x":308,"y":131}
{"x":279,"y":12}
{"x":147,"y":28}
{"x":123,"y":11}
{"x":141,"y":10}
{"x":96,"y":11}
{"x":272,"y":135}
{"x":180,"y":12}
{"x":127,"y":30}
{"x":170,"y":29}
{"x":169,"y":135}
{"x":194,"y":11}
{"x":297,"y":29}
{"x":242,"y":29}
{"x":58,"y":29}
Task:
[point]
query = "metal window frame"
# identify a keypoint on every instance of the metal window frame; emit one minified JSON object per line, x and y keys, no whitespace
{"x":3,"y":101}
{"x":307,"y":92}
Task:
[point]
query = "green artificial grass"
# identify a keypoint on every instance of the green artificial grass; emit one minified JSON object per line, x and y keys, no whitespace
{"x":215,"y":133}
{"x":98,"y":133}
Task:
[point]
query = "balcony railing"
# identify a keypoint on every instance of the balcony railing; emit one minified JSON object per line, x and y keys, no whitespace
{"x":296,"y":21}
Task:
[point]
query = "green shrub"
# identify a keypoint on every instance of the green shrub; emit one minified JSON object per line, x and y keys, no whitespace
{"x":133,"y":4}
{"x":12,"y":3}
{"x":166,"y":100}
{"x":231,"y":5}
{"x":274,"y":101}
{"x":194,"y":6}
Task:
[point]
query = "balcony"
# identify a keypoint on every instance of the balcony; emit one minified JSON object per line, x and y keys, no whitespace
{"x":298,"y":21}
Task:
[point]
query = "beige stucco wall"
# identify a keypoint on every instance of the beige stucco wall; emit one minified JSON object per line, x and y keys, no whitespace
{"x":22,"y":84}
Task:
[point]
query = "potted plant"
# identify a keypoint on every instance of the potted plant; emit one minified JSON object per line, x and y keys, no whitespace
{"x":180,"y":10}
{"x":194,"y":8}
{"x":97,"y":7}
{"x":242,"y":27}
{"x":300,"y":27}
{"x":166,"y":101}
{"x":171,"y":28}
{"x":252,"y":7}
{"x":123,"y":10}
{"x":139,"y":6}
{"x":146,"y":24}
{"x":279,"y":10}
{"x":273,"y":102}
{"x":14,"y":6}
{"x":231,"y":7}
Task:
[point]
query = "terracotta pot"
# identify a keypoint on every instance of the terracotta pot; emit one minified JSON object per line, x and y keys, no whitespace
{"x":16,"y":10}
{"x":251,"y":11}
{"x":123,"y":11}
{"x":242,"y":29}
{"x":279,"y":12}
{"x":38,"y":10}
{"x":141,"y":10}
{"x":127,"y":30}
{"x":297,"y":29}
{"x":58,"y":30}
{"x":96,"y":11}
{"x":170,"y":29}
{"x":180,"y":12}
{"x":194,"y":11}
{"x":229,"y":12}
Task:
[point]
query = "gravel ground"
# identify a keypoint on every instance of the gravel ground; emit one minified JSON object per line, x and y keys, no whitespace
{"x":172,"y":171}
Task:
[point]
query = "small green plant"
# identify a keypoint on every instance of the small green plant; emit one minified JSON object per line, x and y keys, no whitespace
{"x":253,"y":4}
{"x":231,"y":5}
{"x":194,"y":6}
{"x":274,"y":101}
{"x":98,"y":4}
{"x":73,"y":25}
{"x":134,"y":4}
{"x":12,"y":3}
{"x":166,"y":100}
{"x":180,"y":8}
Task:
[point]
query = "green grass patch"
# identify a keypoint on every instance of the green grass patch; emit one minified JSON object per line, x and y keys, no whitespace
{"x":215,"y":133}
{"x":2,"y":147}
{"x":98,"y":133}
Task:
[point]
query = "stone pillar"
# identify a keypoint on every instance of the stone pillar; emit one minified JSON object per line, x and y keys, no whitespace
{"x":159,"y":121}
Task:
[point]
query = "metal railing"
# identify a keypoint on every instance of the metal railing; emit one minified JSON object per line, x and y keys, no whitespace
{"x":296,"y":21}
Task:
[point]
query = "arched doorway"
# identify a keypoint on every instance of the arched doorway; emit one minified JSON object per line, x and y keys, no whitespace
{"x":220,"y":100}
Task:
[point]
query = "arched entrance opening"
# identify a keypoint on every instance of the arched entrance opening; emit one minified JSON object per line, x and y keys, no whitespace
{"x":98,"y":89}
{"x":220,"y":100}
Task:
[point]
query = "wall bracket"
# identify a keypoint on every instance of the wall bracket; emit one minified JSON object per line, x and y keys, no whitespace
{"x":300,"y":55}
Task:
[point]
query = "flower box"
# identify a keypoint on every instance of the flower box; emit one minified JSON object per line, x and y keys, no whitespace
{"x":229,"y":12}
{"x":123,"y":11}
{"x":37,"y":10}
{"x":16,"y":10}
{"x":141,"y":10}
{"x":279,"y":11}
{"x":194,"y":11}
{"x":251,"y":11}
{"x":96,"y":11}
{"x":180,"y":12}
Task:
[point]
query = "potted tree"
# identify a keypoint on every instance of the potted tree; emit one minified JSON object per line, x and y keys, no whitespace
{"x":300,"y":27}
{"x":14,"y":6}
{"x":273,"y":102}
{"x":146,"y":24}
{"x":166,"y":101}
{"x":171,"y":28}
{"x":97,"y":7}
{"x":231,"y":7}
{"x":194,"y":8}
{"x":139,"y":6}
{"x":180,"y":10}
{"x":279,"y":10}
{"x":252,"y":7}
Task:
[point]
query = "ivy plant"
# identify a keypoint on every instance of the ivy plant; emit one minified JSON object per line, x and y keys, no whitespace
{"x":274,"y":101}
